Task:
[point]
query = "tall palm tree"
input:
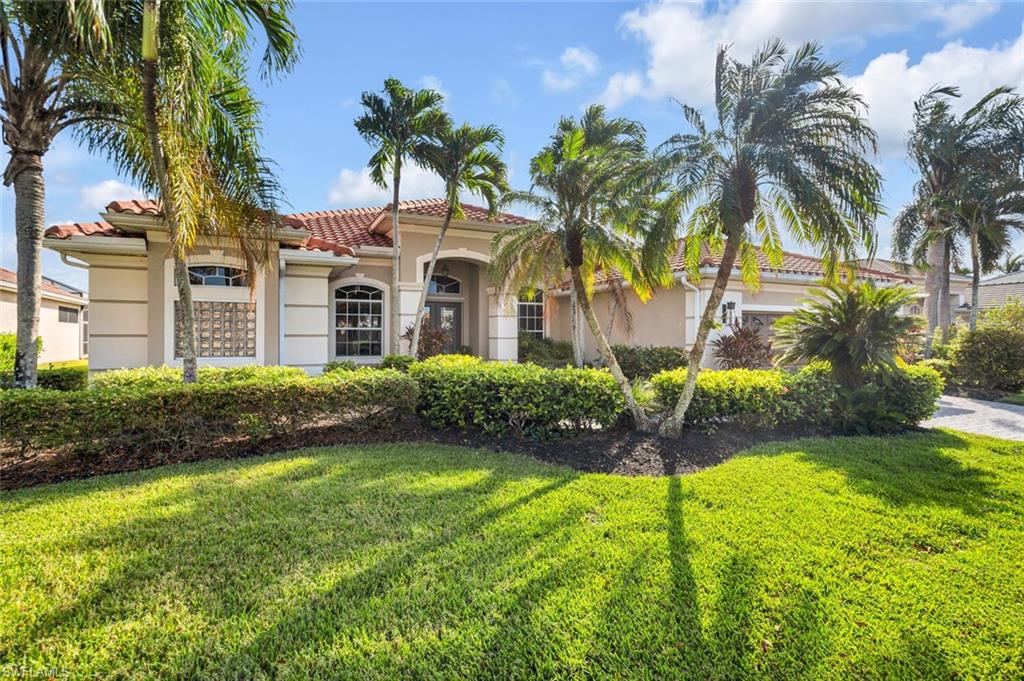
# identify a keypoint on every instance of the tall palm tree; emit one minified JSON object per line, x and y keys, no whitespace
{"x":35,"y":40}
{"x":584,"y":197}
{"x":469,"y":160}
{"x":399,"y":125}
{"x":790,"y":151}
{"x":1012,"y":262}
{"x":197,"y":193}
{"x":949,"y":152}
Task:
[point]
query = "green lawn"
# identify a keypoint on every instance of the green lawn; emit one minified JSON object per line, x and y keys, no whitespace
{"x":66,"y":364}
{"x":868,"y":557}
{"x":1014,"y":399}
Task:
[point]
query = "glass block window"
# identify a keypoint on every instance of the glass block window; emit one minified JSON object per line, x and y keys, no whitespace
{"x":217,"y":275}
{"x":358,"y":321}
{"x":531,"y":314}
{"x":440,"y":283}
{"x":68,"y":315}
{"x":223,"y":329}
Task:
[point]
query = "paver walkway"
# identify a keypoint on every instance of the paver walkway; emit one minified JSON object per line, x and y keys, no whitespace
{"x":979,"y":417}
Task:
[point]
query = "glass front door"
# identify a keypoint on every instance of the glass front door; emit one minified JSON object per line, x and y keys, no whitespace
{"x":448,"y":318}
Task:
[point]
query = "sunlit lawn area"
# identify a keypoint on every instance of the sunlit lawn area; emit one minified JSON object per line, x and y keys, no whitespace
{"x":847,"y":558}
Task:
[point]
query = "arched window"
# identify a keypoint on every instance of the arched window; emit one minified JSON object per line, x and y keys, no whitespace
{"x":217,"y":275}
{"x":358,"y":321}
{"x":442,"y":283}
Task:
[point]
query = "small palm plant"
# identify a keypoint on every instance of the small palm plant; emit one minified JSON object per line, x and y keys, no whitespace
{"x":399,"y":123}
{"x":468,"y":159}
{"x":853,"y":326}
{"x":584,"y":185}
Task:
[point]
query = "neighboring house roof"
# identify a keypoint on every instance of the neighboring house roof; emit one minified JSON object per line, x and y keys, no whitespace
{"x":998,"y":290}
{"x":334,"y":231}
{"x":48,"y":285}
{"x":1004,"y":280}
{"x":901,"y":268}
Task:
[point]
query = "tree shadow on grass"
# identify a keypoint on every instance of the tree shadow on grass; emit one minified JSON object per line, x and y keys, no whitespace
{"x":911,"y":469}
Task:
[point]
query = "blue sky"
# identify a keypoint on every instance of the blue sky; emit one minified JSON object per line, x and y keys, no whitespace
{"x":522,"y":65}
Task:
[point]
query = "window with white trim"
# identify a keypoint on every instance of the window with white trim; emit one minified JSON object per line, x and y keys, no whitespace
{"x":531,"y":314}
{"x":358,"y":321}
{"x":217,"y":275}
{"x":68,"y":315}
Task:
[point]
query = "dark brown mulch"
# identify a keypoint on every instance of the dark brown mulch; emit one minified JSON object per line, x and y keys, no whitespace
{"x":615,"y":451}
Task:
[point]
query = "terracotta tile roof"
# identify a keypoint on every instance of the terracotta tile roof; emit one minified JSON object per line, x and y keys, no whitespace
{"x":63,"y":231}
{"x":350,"y":226}
{"x":135,"y":207}
{"x":12,"y":278}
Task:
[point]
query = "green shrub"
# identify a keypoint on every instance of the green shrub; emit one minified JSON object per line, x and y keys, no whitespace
{"x":55,"y":378}
{"x":990,"y":358}
{"x":399,"y":362}
{"x":943,"y":366}
{"x":744,"y":347}
{"x":340,"y":365}
{"x":1009,"y":316}
{"x":810,"y":397}
{"x":459,"y":392}
{"x":638,"y":361}
{"x":8,"y":348}
{"x":545,"y":352}
{"x":149,"y":377}
{"x":751,"y":397}
{"x":187,"y":419}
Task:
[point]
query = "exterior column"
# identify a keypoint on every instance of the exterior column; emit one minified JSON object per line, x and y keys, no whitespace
{"x":502,"y":327}
{"x":408,"y":298}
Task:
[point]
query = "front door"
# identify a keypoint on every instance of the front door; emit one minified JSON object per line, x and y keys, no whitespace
{"x":448,"y":318}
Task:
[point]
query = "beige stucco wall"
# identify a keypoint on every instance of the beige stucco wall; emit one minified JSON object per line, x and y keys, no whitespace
{"x":62,"y":341}
{"x":118,"y":312}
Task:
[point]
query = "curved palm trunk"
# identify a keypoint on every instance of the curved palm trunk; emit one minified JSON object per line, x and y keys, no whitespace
{"x":151,"y":14}
{"x":640,"y":419}
{"x":975,"y":279}
{"x":673,"y":426}
{"x":29,"y":220}
{"x":394,"y":318}
{"x":574,"y":323}
{"x":418,"y":324}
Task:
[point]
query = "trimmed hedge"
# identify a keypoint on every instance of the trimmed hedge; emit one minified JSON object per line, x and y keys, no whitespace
{"x":55,"y":378}
{"x":643,"y":361}
{"x":990,"y":358}
{"x":152,"y":377}
{"x":458,"y":391}
{"x":192,"y":419}
{"x":751,"y":397}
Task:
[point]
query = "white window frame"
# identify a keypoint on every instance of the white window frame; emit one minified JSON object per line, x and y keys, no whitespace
{"x":223,"y":294}
{"x":359,"y":280}
{"x":537,"y":301}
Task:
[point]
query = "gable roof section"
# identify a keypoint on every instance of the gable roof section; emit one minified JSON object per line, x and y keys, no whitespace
{"x":1011,"y":278}
{"x":47,"y":286}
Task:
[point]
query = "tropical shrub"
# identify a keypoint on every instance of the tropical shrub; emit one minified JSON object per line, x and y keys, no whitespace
{"x":142,"y":419}
{"x":852,"y":326}
{"x":990,"y":358}
{"x":1009,"y":316}
{"x":639,"y":361}
{"x":432,"y":340}
{"x":146,"y":377}
{"x":399,"y":362}
{"x":499,"y":398}
{"x":545,"y":352}
{"x":339,"y":365}
{"x":8,"y":347}
{"x":55,"y":378}
{"x":743,"y":347}
{"x":745,"y":396}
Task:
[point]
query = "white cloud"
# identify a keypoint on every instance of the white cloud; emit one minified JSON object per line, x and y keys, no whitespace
{"x":682,"y":39}
{"x":434,"y":83}
{"x":890,"y":83}
{"x":502,"y":92}
{"x":621,"y":88}
{"x":95,"y":197}
{"x":577,"y":63}
{"x":355,"y":188}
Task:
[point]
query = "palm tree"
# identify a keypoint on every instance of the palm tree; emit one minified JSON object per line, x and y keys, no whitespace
{"x":1011,"y":263}
{"x":399,"y":124}
{"x":197,"y":193}
{"x":467,"y":159}
{"x":950,"y":152}
{"x":789,"y":151}
{"x":584,"y":198}
{"x":852,"y":326}
{"x":35,"y":40}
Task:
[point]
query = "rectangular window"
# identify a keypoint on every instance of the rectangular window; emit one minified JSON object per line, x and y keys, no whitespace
{"x":531,"y":315}
{"x":68,"y":315}
{"x":358,"y":321}
{"x":223,"y":329}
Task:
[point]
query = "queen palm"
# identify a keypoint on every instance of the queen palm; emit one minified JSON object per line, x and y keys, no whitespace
{"x":582,"y":191}
{"x":790,"y":152}
{"x":399,"y":124}
{"x":467,"y":159}
{"x":35,"y":40}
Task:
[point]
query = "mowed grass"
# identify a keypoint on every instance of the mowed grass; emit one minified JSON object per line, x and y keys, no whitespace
{"x":849,"y":558}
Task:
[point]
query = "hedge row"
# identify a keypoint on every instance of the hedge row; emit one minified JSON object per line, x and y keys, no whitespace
{"x":180,"y":418}
{"x":55,"y":378}
{"x":152,"y":377}
{"x":458,"y":391}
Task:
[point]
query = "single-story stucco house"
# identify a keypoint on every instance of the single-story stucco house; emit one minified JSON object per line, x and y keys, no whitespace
{"x":997,"y":291}
{"x":63,"y":317}
{"x":325,"y":295}
{"x":959,"y":286}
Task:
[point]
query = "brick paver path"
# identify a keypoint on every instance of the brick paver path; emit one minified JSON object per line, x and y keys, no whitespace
{"x":979,"y":417}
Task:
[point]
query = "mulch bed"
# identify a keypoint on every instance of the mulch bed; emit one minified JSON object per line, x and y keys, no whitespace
{"x":621,"y":452}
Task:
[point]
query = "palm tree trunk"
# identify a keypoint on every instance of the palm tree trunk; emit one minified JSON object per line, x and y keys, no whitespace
{"x":673,"y":426}
{"x":574,"y":323}
{"x":394,"y":333}
{"x":29,"y":221}
{"x":943,"y":302}
{"x":426,"y":280}
{"x":934,"y":257}
{"x":150,"y":30}
{"x":975,"y":279}
{"x":640,"y":419}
